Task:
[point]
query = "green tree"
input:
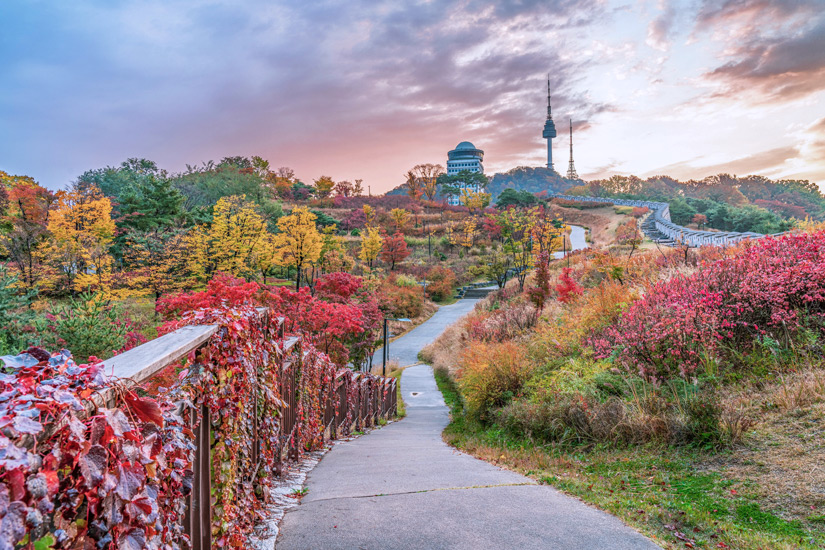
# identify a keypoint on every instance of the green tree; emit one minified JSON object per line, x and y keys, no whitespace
{"x":511,"y":197}
{"x":451,"y":185}
{"x":15,"y":313}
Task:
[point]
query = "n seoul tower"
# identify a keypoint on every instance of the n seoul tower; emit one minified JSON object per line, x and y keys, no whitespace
{"x":549,"y":129}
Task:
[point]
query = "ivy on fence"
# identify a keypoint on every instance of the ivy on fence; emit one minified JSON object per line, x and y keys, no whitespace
{"x":74,"y":474}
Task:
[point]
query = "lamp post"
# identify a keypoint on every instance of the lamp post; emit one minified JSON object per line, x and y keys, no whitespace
{"x":387,"y":341}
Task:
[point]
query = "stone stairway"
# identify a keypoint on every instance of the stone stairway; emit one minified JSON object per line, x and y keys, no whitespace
{"x":648,"y":227}
{"x":476,"y":290}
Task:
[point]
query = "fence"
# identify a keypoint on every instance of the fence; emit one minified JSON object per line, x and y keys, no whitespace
{"x":659,"y":222}
{"x":350,"y":401}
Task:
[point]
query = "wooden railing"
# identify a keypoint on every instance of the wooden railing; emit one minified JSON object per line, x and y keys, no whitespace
{"x":374,"y":399}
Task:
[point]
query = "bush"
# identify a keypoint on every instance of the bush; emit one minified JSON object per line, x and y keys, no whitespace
{"x":401,"y":301}
{"x":440,"y":283}
{"x":720,"y":314}
{"x":504,"y":323}
{"x":490,"y":375}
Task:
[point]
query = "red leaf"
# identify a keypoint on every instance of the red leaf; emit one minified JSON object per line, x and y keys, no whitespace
{"x":93,"y":465}
{"x":145,"y":408}
{"x":25,"y":425}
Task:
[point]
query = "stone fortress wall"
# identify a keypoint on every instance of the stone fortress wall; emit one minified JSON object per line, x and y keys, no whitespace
{"x":658,"y":227}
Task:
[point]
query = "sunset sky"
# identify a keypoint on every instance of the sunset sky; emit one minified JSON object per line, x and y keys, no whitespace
{"x":366,"y":89}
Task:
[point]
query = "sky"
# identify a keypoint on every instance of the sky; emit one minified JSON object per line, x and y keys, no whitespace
{"x":368,"y":88}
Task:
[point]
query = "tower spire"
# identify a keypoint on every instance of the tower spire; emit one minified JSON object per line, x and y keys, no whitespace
{"x":549,"y":111}
{"x":571,"y":169}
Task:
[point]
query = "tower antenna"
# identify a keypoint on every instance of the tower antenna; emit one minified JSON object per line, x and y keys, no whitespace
{"x":571,"y":169}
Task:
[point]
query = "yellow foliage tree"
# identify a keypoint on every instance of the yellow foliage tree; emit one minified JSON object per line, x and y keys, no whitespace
{"x":323,"y":187}
{"x":475,"y":200}
{"x":232,"y":240}
{"x":334,"y":255}
{"x":155,"y":262}
{"x":369,"y":214}
{"x":82,"y":230}
{"x":371,"y":243}
{"x":298,"y":243}
{"x":400,"y":218}
{"x":264,"y":258}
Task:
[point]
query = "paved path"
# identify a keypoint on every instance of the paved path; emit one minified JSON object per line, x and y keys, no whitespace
{"x":402,"y":487}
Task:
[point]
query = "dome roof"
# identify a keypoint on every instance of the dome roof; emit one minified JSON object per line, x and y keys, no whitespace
{"x":465,"y":145}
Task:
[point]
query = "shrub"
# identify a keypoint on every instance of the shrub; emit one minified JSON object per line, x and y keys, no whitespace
{"x":490,"y":375}
{"x":338,"y":286}
{"x":223,"y":290}
{"x":440,"y":283}
{"x":505,"y":323}
{"x":773,"y":288}
{"x":398,"y":301}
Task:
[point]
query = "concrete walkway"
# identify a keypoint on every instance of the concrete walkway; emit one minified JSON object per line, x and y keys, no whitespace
{"x":402,"y":487}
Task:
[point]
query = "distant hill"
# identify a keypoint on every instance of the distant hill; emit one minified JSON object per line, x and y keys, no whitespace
{"x":523,"y":178}
{"x":534,"y":180}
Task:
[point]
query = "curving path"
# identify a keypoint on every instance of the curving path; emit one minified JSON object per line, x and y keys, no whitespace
{"x":402,"y":487}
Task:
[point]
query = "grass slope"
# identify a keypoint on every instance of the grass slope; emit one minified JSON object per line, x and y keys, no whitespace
{"x":675,"y":496}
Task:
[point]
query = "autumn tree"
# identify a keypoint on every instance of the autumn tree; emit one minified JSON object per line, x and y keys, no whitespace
{"x":527,"y":232}
{"x":229,"y":244}
{"x":323,"y":187}
{"x":400,"y":218}
{"x":344,"y":189}
{"x":82,"y":230}
{"x":462,"y":233}
{"x":298,"y":243}
{"x":23,"y":228}
{"x":394,"y":250}
{"x":334,"y":255}
{"x":371,"y":242}
{"x":369,"y":214}
{"x":475,"y":201}
{"x":427,"y":176}
{"x":628,"y":234}
{"x":700,"y":220}
{"x":413,"y":186}
{"x":155,"y":262}
{"x":358,"y":188}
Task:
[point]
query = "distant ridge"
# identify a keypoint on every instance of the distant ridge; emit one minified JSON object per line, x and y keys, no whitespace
{"x":522,"y":178}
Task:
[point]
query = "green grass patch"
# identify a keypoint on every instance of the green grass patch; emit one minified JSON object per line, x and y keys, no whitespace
{"x":402,"y":409}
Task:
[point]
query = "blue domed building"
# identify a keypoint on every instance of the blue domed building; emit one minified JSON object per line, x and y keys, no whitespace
{"x":467,"y":157}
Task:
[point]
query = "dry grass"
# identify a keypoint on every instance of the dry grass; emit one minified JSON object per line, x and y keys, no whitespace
{"x":392,"y":367}
{"x":782,"y":460}
{"x":782,"y":463}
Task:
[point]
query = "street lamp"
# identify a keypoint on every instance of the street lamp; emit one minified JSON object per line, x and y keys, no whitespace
{"x":387,"y":341}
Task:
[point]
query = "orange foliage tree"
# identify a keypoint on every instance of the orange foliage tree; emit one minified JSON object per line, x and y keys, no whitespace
{"x":23,"y":227}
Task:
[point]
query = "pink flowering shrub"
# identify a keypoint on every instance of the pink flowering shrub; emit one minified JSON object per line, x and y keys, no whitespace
{"x":771,"y":288}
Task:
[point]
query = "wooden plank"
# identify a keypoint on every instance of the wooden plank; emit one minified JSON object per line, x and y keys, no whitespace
{"x":289,"y":343}
{"x":140,"y":363}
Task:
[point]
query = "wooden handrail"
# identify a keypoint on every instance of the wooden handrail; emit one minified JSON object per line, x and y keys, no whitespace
{"x":140,"y":363}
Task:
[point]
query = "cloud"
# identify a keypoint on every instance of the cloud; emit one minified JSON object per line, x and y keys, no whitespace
{"x":773,"y":48}
{"x":659,"y":29}
{"x":320,"y":85}
{"x":764,"y":161}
